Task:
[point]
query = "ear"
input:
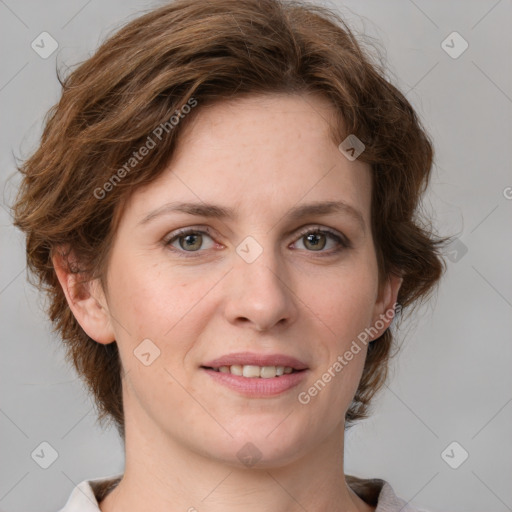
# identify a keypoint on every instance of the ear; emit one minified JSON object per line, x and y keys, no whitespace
{"x":86,"y":299}
{"x":384,"y":310}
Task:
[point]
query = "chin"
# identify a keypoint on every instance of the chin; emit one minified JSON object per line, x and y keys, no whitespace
{"x":267,"y":443}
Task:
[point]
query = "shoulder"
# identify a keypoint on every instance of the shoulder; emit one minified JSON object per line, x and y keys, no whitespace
{"x":87,"y":495}
{"x":379,"y":493}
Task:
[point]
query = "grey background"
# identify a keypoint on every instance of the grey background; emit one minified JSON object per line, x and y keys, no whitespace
{"x":452,"y":379}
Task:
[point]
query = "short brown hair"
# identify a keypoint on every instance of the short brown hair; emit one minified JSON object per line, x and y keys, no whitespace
{"x":210,"y":51}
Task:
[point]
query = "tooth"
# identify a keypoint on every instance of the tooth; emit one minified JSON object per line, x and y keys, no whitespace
{"x":254,"y":371}
{"x":250,"y":371}
{"x":236,"y":369}
{"x":267,"y":372}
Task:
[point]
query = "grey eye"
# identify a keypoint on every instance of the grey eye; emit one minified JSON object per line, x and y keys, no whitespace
{"x":190,"y":241}
{"x":315,"y":241}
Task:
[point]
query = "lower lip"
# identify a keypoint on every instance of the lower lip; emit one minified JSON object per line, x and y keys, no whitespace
{"x":258,"y":387}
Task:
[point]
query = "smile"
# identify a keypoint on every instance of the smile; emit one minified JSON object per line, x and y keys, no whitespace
{"x":259,"y":382}
{"x":253,"y":371}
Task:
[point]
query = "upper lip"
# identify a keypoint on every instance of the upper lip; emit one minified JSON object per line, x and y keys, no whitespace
{"x":251,"y":358}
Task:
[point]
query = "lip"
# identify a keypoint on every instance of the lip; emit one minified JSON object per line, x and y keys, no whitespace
{"x":257,"y":387}
{"x":251,"y":358}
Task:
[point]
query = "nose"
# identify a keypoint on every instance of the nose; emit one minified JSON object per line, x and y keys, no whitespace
{"x":260,"y":294}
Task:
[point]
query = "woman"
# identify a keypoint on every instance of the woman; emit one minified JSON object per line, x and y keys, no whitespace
{"x":223,"y":210}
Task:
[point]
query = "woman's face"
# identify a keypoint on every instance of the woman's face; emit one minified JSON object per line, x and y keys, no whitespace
{"x":255,"y":286}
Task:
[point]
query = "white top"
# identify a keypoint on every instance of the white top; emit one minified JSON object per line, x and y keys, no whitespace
{"x":84,"y":499}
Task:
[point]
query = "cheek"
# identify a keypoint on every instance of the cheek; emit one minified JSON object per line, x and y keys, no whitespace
{"x":345,"y":308}
{"x":345,"y":303}
{"x":150,"y":303}
{"x":348,"y":314}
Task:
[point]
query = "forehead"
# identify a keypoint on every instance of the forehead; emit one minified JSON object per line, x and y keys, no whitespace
{"x":253,"y":120}
{"x":260,"y":155}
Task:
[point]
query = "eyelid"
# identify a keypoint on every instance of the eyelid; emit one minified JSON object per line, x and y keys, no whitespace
{"x":339,"y":237}
{"x":311,"y":228}
{"x":186,"y":231}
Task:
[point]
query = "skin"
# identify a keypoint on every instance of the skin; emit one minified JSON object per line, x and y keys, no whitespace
{"x":261,"y":156}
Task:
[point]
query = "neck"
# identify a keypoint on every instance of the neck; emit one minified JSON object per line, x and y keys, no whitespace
{"x":161,"y":474}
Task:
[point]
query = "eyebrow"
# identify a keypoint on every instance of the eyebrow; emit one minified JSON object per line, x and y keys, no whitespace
{"x":224,"y":213}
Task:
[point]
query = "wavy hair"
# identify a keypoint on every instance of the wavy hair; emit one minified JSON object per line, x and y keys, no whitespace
{"x":212,"y":51}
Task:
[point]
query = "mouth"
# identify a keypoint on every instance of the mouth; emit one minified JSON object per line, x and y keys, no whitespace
{"x":257,"y":375}
{"x":253,"y":371}
{"x":253,"y":365}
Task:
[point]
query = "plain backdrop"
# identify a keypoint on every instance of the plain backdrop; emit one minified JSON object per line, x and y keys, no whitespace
{"x":451,"y":381}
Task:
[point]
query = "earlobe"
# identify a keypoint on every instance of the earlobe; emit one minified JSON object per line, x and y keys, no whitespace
{"x":85,"y":298}
{"x":385,"y":306}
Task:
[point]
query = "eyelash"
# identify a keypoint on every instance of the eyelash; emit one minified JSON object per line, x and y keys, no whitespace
{"x":343,"y":242}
